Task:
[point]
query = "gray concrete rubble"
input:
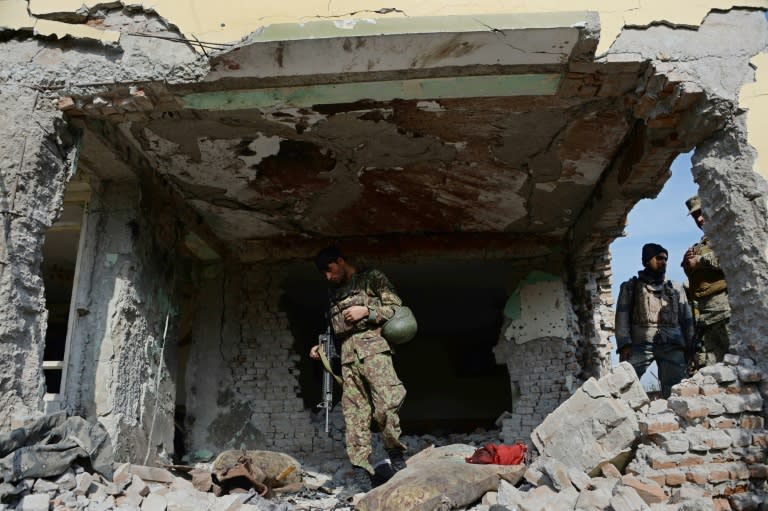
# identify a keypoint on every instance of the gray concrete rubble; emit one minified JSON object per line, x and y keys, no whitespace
{"x":704,"y":448}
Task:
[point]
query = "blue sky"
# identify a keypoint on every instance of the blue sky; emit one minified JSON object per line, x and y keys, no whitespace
{"x":663,"y":220}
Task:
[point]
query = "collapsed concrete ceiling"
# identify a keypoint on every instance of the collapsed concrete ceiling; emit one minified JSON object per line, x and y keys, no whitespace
{"x":492,"y":134}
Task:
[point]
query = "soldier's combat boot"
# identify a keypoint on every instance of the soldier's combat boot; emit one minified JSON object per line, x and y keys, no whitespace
{"x":397,"y":459}
{"x":361,"y":480}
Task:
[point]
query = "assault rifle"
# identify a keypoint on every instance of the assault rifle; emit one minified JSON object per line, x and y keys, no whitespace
{"x":327,"y":353}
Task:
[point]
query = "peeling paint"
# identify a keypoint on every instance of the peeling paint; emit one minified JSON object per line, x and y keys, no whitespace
{"x":454,"y":87}
{"x":754,"y":98}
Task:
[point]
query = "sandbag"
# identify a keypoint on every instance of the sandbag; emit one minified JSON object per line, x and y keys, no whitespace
{"x":439,"y":478}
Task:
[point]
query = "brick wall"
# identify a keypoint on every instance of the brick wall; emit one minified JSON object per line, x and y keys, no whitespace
{"x":710,"y":434}
{"x":268,"y":374}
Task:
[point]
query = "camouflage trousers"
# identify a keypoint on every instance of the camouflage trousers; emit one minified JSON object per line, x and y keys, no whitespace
{"x":371,"y":397}
{"x":670,"y":359}
{"x":714,"y":343}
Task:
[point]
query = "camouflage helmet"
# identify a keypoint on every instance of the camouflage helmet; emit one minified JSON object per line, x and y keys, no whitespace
{"x":401,"y":327}
{"x":693,"y":204}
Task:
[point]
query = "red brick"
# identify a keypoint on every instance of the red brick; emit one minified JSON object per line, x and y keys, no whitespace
{"x":721,"y":505}
{"x":661,"y":464}
{"x":653,"y":428}
{"x":675,"y":478}
{"x":758,"y":471}
{"x":722,"y":423}
{"x":690,"y":461}
{"x":697,"y":477}
{"x":718,"y":475}
{"x":685,"y":390}
{"x":66,"y":103}
{"x":752,"y":422}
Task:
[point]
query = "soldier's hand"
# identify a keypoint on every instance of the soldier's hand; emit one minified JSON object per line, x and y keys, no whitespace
{"x":314,"y":353}
{"x":355,"y":313}
{"x":625,"y":353}
{"x":690,"y":260}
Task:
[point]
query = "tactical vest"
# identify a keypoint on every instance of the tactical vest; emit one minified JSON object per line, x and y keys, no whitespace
{"x":342,"y":328}
{"x":705,"y":281}
{"x":655,"y":307}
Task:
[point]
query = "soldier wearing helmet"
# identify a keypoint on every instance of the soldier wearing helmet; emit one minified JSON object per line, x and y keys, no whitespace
{"x":709,"y":292}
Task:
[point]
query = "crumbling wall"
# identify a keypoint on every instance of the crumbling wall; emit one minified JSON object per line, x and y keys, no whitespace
{"x":539,"y":344}
{"x":37,"y":150}
{"x":244,"y":386}
{"x":37,"y":145}
{"x":120,"y":364}
{"x":716,"y":59}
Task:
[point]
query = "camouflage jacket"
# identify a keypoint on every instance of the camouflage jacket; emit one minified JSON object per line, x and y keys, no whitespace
{"x":653,"y":312}
{"x":707,"y":285}
{"x":372,"y":289}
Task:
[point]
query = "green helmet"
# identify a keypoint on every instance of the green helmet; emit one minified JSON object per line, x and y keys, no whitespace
{"x":401,"y":327}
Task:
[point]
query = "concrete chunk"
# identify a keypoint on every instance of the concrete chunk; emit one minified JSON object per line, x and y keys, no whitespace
{"x":648,"y":490}
{"x":605,"y":426}
{"x":34,"y":502}
{"x":154,"y":502}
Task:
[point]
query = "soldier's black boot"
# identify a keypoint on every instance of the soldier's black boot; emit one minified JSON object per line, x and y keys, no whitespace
{"x":362,"y":480}
{"x":397,"y":459}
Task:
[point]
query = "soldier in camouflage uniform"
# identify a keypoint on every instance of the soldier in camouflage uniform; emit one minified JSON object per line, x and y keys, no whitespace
{"x":707,"y":287}
{"x":360,"y":303}
{"x":653,"y":321}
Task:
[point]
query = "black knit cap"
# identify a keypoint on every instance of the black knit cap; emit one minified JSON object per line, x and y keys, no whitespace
{"x":326,"y":256}
{"x":651,"y":250}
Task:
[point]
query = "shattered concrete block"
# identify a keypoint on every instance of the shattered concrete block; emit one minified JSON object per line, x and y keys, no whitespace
{"x":556,"y":471}
{"x":609,"y":470}
{"x":34,"y":502}
{"x":673,"y":442}
{"x":84,"y":481}
{"x":626,"y":499}
{"x":720,"y":372}
{"x":138,"y":486}
{"x":593,"y":500}
{"x":66,"y":481}
{"x":159,"y":475}
{"x":44,"y":486}
{"x":154,"y":502}
{"x":541,"y":498}
{"x":648,"y":490}
{"x":579,"y":479}
{"x":508,"y":495}
{"x":688,"y":408}
{"x":605,"y":426}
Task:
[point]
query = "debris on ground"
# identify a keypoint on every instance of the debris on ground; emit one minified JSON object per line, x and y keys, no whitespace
{"x":608,"y":447}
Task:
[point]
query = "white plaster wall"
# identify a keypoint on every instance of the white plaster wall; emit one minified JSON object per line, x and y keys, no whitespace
{"x":543,"y":313}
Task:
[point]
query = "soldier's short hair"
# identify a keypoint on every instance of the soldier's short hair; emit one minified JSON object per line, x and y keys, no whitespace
{"x":327,"y":256}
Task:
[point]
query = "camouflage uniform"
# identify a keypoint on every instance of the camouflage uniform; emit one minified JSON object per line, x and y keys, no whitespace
{"x":708,"y":290}
{"x":655,"y":319}
{"x":372,"y":392}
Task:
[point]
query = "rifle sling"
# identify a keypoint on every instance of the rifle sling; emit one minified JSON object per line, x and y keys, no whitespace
{"x":327,"y":366}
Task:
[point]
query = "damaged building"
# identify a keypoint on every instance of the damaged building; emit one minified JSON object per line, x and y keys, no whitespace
{"x":169,"y":170}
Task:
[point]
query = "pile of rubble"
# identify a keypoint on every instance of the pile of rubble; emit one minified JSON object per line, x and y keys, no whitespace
{"x":608,"y":447}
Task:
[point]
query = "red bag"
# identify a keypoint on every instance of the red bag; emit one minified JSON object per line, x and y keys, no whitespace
{"x":499,"y":454}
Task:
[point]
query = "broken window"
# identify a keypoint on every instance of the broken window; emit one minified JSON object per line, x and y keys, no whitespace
{"x":59,"y":269}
